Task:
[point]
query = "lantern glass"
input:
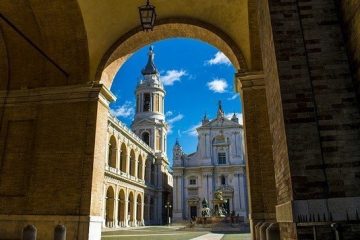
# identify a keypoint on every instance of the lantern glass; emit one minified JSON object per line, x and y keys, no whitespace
{"x":147,"y":16}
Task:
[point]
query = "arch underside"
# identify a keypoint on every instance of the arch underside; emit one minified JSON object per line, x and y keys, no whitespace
{"x":167,"y":28}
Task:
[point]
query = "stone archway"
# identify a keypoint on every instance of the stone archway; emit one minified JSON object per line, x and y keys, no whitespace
{"x":131,"y":209}
{"x":140,"y":168}
{"x":123,"y":156}
{"x":300,"y":114}
{"x":112,"y":152}
{"x":139,"y":210}
{"x":132,"y":163}
{"x":250,"y":85}
{"x":121,"y":208}
{"x":110,"y":207}
{"x":167,"y":28}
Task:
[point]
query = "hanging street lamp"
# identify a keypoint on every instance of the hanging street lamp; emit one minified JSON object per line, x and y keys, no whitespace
{"x":147,"y":16}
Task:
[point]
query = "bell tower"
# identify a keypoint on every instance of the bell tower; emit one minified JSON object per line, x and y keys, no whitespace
{"x":149,"y":122}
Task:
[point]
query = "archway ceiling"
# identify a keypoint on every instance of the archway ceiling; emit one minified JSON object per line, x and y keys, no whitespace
{"x":106,"y":21}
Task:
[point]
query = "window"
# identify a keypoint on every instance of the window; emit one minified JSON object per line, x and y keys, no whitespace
{"x":146,"y":102}
{"x":223,"y":180}
{"x":221,"y":158}
{"x":146,"y":138}
{"x":192,"y":181}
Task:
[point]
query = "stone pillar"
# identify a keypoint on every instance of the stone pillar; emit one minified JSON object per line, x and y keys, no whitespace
{"x":143,"y":170}
{"x":142,"y":211}
{"x":127,"y":157}
{"x":313,"y":110}
{"x":116,"y":208}
{"x":134,"y":222}
{"x":104,"y":206}
{"x":136,"y":166}
{"x":258,"y":148}
{"x":117,"y":152}
{"x":126,"y":212}
{"x":107,"y":148}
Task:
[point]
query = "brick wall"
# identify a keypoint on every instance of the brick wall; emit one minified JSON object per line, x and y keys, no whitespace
{"x":350,"y":12}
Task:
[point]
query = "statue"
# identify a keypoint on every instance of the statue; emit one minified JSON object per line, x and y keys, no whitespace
{"x":218,"y":202}
{"x":205,"y":211}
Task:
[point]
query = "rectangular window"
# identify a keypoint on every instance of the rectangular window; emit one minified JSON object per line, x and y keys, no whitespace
{"x":146,"y":102}
{"x":221,"y":158}
{"x":192,"y":182}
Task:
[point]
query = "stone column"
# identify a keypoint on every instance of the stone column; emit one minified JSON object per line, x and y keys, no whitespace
{"x":107,"y":148}
{"x":143,"y":170}
{"x":136,"y":167}
{"x":126,"y":211}
{"x":117,"y":152}
{"x":142,"y":211}
{"x":127,"y":157}
{"x":104,"y":206}
{"x":116,"y":208}
{"x":134,"y":223}
{"x":258,"y":148}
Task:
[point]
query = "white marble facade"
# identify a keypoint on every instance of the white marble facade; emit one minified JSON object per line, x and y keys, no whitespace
{"x":218,"y":164}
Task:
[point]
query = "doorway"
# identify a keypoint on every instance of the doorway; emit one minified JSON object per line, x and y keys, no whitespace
{"x":193,"y":211}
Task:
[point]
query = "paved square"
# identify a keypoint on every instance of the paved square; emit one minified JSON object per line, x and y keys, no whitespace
{"x":169,"y":233}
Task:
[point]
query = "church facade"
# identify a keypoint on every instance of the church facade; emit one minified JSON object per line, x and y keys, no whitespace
{"x":137,"y":181}
{"x":217,"y":165}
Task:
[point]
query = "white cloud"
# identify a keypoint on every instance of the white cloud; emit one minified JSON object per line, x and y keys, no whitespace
{"x":219,"y":58}
{"x":218,"y":85}
{"x":233,"y":97}
{"x":169,"y":113}
{"x":179,"y":133}
{"x":173,"y":120}
{"x":176,"y":118}
{"x":172,"y":76}
{"x":192,"y":130}
{"x":238,"y":115}
{"x":127,"y":110}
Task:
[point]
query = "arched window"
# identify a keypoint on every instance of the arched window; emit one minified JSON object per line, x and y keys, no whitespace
{"x":146,"y":138}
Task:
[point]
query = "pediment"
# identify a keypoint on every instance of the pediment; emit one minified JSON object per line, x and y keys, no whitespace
{"x":221,"y":122}
{"x":225,"y":189}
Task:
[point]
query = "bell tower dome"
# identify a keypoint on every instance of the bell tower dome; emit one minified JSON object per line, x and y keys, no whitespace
{"x":149,"y":122}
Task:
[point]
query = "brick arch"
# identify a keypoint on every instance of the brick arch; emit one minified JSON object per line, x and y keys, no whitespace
{"x":63,"y":57}
{"x":167,"y":28}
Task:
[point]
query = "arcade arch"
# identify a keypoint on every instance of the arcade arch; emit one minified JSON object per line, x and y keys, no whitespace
{"x":123,"y":158}
{"x":110,"y":204}
{"x":112,"y":152}
{"x":262,"y":190}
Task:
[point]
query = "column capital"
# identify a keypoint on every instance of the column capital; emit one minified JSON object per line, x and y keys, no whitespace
{"x":250,"y":80}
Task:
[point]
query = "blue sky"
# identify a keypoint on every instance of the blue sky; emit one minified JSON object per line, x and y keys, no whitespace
{"x":196,"y":76}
